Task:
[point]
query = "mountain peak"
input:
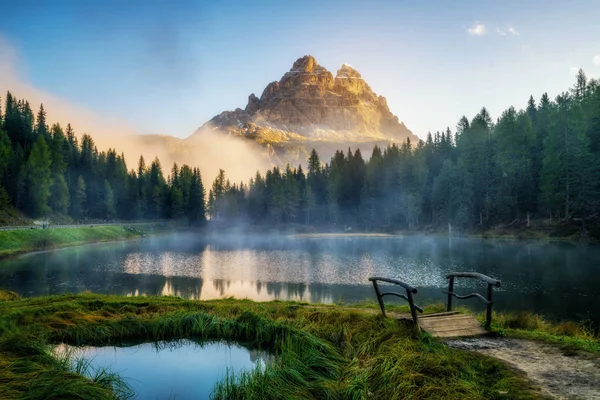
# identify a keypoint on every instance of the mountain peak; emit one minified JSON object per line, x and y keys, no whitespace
{"x":309,"y":104}
{"x":347,"y":71}
{"x":305,"y":64}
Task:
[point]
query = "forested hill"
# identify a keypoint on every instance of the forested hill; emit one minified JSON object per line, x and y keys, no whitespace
{"x":45,"y":170}
{"x":540,"y":162}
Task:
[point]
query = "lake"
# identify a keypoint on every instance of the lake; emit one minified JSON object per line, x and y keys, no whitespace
{"x":182,"y":369}
{"x":560,"y":280}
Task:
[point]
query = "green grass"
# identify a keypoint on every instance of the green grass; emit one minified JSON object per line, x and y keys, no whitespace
{"x":21,"y":241}
{"x":526,"y":325}
{"x":323,"y":352}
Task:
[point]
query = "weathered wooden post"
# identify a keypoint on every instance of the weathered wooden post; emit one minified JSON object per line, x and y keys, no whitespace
{"x":411,"y":304}
{"x":450,"y":292}
{"x":488,"y":316}
{"x":379,"y":299}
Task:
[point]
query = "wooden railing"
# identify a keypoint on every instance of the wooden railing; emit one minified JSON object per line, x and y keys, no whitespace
{"x":491,"y":282}
{"x":408,"y":296}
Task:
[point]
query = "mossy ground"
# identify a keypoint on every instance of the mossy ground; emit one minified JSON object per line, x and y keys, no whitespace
{"x":324,"y":352}
{"x":21,"y":241}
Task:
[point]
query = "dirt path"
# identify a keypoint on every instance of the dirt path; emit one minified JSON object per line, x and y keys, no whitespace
{"x":559,"y":373}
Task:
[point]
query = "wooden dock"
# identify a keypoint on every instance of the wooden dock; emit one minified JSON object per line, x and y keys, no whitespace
{"x":450,"y":325}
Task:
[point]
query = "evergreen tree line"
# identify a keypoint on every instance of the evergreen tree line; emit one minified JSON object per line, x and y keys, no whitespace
{"x":45,"y":170}
{"x":540,"y":162}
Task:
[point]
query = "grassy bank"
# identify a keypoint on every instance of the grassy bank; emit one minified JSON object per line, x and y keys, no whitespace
{"x":324,"y":352}
{"x":23,"y":241}
{"x":526,"y":325}
{"x":543,"y":229}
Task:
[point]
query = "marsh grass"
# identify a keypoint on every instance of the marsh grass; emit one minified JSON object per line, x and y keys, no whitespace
{"x":30,"y":370}
{"x":321,"y":352}
{"x":69,"y":361}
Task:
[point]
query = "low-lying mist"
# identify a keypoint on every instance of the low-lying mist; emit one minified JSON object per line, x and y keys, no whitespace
{"x":208,"y":150}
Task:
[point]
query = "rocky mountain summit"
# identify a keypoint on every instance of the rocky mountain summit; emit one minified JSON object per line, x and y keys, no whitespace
{"x":308,"y":104}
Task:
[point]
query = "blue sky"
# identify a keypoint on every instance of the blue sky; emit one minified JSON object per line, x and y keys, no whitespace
{"x":167,"y":67}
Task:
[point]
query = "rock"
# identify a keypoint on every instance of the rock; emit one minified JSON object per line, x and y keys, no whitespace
{"x":253,"y":104}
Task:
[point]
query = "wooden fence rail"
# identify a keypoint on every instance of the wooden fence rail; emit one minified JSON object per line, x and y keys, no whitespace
{"x":491,"y":283}
{"x":408,"y":296}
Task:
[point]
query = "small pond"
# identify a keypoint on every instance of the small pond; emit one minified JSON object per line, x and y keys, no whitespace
{"x":182,"y":369}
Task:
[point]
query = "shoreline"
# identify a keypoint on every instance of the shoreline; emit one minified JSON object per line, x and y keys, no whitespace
{"x":57,"y":248}
{"x":38,"y":240}
{"x":540,"y":230}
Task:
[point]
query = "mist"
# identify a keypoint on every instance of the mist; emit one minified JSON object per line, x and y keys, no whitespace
{"x":209,"y":150}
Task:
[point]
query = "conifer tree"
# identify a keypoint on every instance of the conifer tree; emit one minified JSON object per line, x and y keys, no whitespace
{"x":79,"y":199}
{"x":108,"y":201}
{"x":59,"y":198}
{"x":38,"y":178}
{"x":196,"y":210}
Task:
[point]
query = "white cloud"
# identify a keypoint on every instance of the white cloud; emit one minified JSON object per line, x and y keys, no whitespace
{"x":596,"y":59}
{"x":574,"y":70}
{"x":500,"y":32}
{"x":513,"y":31}
{"x":477,"y":30}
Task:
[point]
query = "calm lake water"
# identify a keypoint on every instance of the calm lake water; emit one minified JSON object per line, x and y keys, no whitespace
{"x":560,"y":280}
{"x":180,"y":370}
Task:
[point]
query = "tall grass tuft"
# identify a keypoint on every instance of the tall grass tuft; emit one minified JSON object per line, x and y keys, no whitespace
{"x":7,"y":295}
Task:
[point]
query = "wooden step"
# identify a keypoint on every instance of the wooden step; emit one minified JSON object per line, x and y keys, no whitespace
{"x":440,"y":314}
{"x":456,"y":317}
{"x":451,"y":325}
{"x":446,"y":321}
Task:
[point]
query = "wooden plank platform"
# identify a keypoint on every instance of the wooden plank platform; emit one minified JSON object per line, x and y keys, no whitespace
{"x":450,"y":324}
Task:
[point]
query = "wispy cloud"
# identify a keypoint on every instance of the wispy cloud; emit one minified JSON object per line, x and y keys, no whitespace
{"x":513,"y":31}
{"x":574,"y":70}
{"x":477,"y":30}
{"x":596,"y":59}
{"x":509,"y":30}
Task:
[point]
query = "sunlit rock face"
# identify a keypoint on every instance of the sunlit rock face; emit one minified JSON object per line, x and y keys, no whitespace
{"x":309,"y":106}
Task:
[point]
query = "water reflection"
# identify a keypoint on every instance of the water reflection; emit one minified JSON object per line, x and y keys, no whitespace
{"x":553,"y":278}
{"x":181,"y":369}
